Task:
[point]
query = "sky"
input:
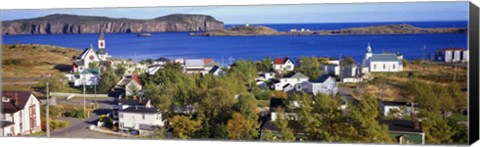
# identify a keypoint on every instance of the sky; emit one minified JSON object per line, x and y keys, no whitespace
{"x":313,"y":13}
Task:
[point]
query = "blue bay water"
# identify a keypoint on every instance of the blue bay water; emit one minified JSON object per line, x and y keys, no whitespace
{"x":223,"y":48}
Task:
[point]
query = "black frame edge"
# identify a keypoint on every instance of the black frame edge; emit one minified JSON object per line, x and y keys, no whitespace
{"x":473,"y":88}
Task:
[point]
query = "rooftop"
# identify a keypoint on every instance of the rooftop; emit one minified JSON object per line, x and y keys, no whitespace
{"x":6,"y":123}
{"x":134,"y":109}
{"x":12,"y":106}
{"x":298,"y":75}
{"x":384,"y":57}
{"x":194,"y":62}
{"x":401,"y":125}
{"x":280,"y":60}
{"x":321,"y":79}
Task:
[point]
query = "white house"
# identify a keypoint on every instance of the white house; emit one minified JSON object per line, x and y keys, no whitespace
{"x":151,"y":70}
{"x":288,"y":83}
{"x":161,"y":61}
{"x":133,"y":86}
{"x":385,"y":62}
{"x":325,"y":84}
{"x":142,"y":119}
{"x":87,"y":76}
{"x":283,"y":64}
{"x":351,"y":74}
{"x":193,"y":66}
{"x":331,"y":69}
{"x":387,"y":106}
{"x":20,"y":113}
{"x":215,"y":70}
{"x":452,"y":55}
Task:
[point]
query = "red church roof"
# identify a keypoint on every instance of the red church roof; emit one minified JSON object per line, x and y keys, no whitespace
{"x":280,"y":60}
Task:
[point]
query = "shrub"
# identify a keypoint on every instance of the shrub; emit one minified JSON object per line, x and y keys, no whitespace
{"x":55,"y":124}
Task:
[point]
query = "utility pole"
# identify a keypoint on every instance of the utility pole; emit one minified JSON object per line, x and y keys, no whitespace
{"x":47,"y":113}
{"x":84,"y":107}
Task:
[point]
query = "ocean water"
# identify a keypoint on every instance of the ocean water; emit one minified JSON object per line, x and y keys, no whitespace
{"x":224,"y":49}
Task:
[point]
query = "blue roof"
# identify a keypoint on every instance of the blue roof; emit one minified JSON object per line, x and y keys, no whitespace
{"x":321,"y":79}
{"x":384,"y":57}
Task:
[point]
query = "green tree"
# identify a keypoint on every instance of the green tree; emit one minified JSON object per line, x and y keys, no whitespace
{"x":216,"y":104}
{"x":184,"y":126}
{"x":93,"y":65}
{"x":162,"y":101}
{"x":159,"y":133}
{"x":322,"y":118}
{"x":348,"y":61}
{"x":363,"y":118}
{"x":239,"y":127}
{"x":286,"y":133}
{"x":435,"y":127}
{"x":56,"y":83}
{"x":309,"y":66}
{"x":265,"y":64}
{"x":107,"y":81}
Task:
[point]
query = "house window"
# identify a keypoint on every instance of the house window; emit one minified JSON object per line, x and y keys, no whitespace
{"x":384,"y":66}
{"x":393,"y":66}
{"x":374,"y":66}
{"x":121,"y":125}
{"x":121,"y":115}
{"x":143,"y":116}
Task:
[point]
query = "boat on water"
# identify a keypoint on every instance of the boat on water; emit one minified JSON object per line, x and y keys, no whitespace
{"x":144,"y":34}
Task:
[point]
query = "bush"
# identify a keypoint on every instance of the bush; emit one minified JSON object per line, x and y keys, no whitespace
{"x":74,"y":112}
{"x":55,"y":124}
{"x":12,"y":61}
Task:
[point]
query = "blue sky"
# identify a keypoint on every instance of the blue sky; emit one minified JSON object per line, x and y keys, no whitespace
{"x":314,"y":13}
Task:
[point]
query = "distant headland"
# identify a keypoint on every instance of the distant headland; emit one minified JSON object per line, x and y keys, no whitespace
{"x":380,"y":29}
{"x":76,"y":24}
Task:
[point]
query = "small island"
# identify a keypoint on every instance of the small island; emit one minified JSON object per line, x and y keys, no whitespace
{"x":370,"y":30}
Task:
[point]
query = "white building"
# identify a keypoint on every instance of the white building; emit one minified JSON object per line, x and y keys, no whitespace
{"x":20,"y":114}
{"x":325,"y":84}
{"x":452,"y":55}
{"x":385,"y":62}
{"x":387,"y":107}
{"x":88,"y":77}
{"x":142,"y":119}
{"x":194,"y":66}
{"x":351,"y":74}
{"x":288,"y":83}
{"x":283,"y":64}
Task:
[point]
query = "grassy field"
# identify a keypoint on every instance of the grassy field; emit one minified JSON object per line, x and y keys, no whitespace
{"x":393,"y":84}
{"x":33,"y":61}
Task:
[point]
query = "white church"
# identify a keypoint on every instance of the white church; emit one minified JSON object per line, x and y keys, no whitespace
{"x":83,"y":73}
{"x":385,"y":62}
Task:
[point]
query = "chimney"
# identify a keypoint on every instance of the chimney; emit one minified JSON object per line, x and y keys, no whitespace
{"x":16,"y":99}
{"x":134,"y":97}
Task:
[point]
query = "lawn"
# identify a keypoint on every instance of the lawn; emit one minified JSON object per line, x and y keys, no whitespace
{"x":32,"y":60}
{"x":393,"y":84}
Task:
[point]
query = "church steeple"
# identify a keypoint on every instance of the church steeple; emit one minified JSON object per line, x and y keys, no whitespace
{"x":369,"y":48}
{"x":101,"y":41}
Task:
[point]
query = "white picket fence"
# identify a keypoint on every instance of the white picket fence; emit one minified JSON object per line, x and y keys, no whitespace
{"x":71,"y":95}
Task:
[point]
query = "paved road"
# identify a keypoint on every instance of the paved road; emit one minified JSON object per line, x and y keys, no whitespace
{"x":79,"y":127}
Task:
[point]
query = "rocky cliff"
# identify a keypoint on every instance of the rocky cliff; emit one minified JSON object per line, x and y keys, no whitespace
{"x":370,"y":30}
{"x":75,"y":24}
